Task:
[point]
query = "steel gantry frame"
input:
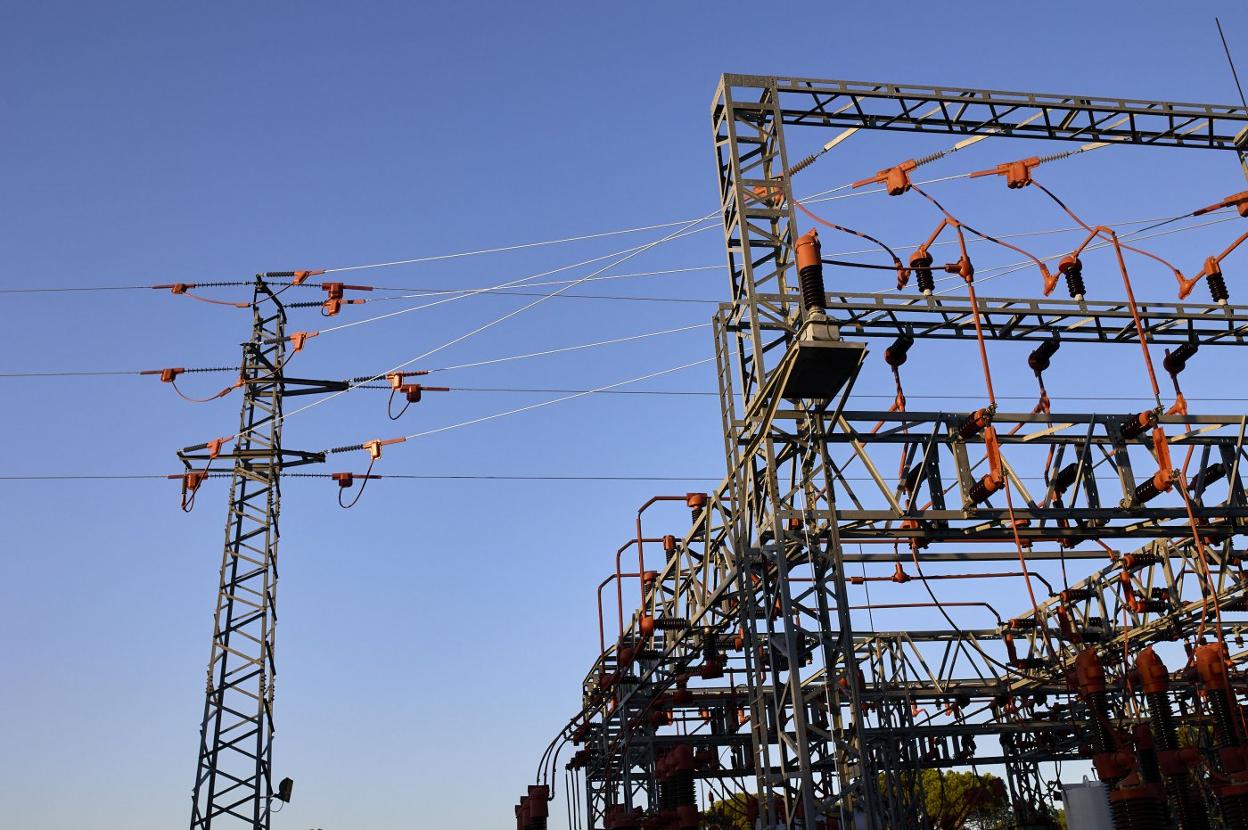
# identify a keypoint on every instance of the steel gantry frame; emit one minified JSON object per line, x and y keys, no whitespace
{"x":740,"y":667}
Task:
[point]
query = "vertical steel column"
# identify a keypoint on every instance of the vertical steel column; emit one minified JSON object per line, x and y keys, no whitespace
{"x":233,"y":782}
{"x":781,"y":486}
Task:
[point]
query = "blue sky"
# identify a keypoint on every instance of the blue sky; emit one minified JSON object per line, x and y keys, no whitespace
{"x":432,"y":639}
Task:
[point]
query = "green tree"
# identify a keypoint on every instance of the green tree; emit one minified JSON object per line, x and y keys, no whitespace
{"x":960,"y":800}
{"x":728,"y":813}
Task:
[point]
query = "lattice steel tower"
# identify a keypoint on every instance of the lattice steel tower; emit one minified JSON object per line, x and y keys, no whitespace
{"x":233,"y":776}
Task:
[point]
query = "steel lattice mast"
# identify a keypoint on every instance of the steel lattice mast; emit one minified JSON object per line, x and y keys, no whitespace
{"x":233,"y":778}
{"x":781,"y":485}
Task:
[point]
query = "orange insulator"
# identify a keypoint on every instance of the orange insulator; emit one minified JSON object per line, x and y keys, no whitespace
{"x":895,"y":355}
{"x":1153,"y":674}
{"x":975,"y":423}
{"x":808,"y":250}
{"x":1010,"y":649}
{"x":695,"y":501}
{"x":538,"y":796}
{"x":1211,"y":666}
{"x":1071,"y":267}
{"x":921,"y":265}
{"x":669,"y":543}
{"x":810,"y":271}
{"x":1089,"y":673}
{"x":645,"y":625}
{"x":1138,"y":424}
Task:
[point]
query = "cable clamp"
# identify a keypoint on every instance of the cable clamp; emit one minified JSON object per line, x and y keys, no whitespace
{"x":412,"y":391}
{"x":300,"y":276}
{"x":896,"y":180}
{"x":334,"y":299}
{"x":214,"y":446}
{"x":1211,"y":270}
{"x":963,"y":268}
{"x":345,"y":480}
{"x":396,"y":378}
{"x":330,"y":308}
{"x":166,"y":375}
{"x":1017,"y":173}
{"x":191,"y":480}
{"x":300,"y":337}
{"x":374,"y":447}
{"x":1239,"y":201}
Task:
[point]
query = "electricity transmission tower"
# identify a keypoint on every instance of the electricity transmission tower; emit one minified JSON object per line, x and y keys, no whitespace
{"x":233,"y":778}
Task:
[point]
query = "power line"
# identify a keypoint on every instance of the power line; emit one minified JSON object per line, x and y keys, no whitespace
{"x":630,"y":275}
{"x":569,"y":397}
{"x":564,"y":349}
{"x":85,"y":477}
{"x":69,"y":374}
{"x":473,"y":332}
{"x":365,"y":379}
{"x":817,"y":198}
{"x":984,"y":275}
{"x":1011,"y":268}
{"x":950,"y":396}
{"x":623,"y":255}
{"x":517,"y":247}
{"x":813,"y":200}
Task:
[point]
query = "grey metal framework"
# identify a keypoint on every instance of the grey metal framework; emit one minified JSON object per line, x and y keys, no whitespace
{"x":951,"y":110}
{"x":233,"y":777}
{"x":741,"y":668}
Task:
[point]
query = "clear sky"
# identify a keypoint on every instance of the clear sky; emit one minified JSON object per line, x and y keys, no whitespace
{"x":434,"y":638}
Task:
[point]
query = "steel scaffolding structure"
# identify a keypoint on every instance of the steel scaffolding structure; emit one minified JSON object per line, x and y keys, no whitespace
{"x":741,"y":671}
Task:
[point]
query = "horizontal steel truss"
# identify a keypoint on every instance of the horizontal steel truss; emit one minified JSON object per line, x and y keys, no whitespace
{"x":951,"y":110}
{"x":1009,"y":318}
{"x":944,"y":467}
